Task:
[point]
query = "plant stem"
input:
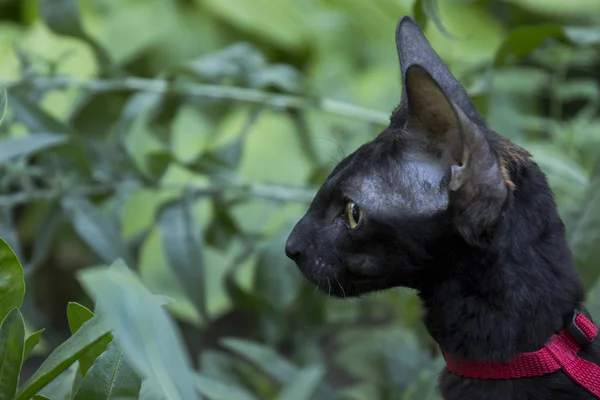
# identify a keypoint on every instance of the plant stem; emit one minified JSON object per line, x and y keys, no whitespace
{"x":269,"y":192}
{"x":276,"y":100}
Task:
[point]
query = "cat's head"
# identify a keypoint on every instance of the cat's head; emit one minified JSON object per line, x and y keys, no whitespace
{"x":429,"y":183}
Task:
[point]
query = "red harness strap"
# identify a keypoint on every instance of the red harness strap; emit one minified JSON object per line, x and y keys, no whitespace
{"x":559,"y":353}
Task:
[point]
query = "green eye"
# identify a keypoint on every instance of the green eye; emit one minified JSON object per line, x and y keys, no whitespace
{"x":353,"y":214}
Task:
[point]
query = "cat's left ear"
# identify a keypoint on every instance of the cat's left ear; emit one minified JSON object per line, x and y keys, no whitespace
{"x":476,"y":187}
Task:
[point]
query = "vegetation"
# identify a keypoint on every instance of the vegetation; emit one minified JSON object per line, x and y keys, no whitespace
{"x":178,"y":142}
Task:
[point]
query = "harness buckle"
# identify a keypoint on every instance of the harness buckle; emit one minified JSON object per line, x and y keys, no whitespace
{"x":575,"y":331}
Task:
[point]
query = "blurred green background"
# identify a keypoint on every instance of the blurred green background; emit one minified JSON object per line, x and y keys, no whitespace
{"x":186,"y":137}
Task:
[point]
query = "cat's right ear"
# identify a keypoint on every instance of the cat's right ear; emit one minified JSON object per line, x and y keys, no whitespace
{"x":439,"y":113}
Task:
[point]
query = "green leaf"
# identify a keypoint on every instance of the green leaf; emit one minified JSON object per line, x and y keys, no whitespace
{"x":30,"y":114}
{"x":2,"y":105}
{"x":62,"y":17}
{"x":110,"y":378}
{"x":583,"y":35}
{"x":77,"y":316}
{"x":428,"y":9}
{"x":30,"y":343}
{"x":145,"y":331}
{"x":523,"y":40}
{"x":12,"y":337}
{"x":63,"y":356}
{"x":148,"y":392}
{"x":276,"y":278}
{"x":60,"y":387}
{"x":305,"y":384}
{"x":584,"y":236}
{"x":28,"y":145}
{"x":33,"y":116}
{"x":99,"y":230}
{"x":12,"y":283}
{"x":216,"y":390}
{"x":45,"y":234}
{"x":182,"y":241}
{"x":264,"y":358}
{"x":40,"y":397}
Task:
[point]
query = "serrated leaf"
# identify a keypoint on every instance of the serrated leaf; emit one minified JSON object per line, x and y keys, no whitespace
{"x":64,"y":356}
{"x":28,"y":145}
{"x":182,"y":242}
{"x":99,"y":230}
{"x":144,"y":330}
{"x":12,"y":283}
{"x":77,"y":316}
{"x":305,"y":384}
{"x":12,"y":337}
{"x":216,"y":390}
{"x":30,"y":343}
{"x":110,"y":378}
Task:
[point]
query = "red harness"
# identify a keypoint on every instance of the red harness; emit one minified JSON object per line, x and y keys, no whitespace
{"x":559,"y":353}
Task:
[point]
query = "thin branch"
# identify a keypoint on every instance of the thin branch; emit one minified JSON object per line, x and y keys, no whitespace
{"x":274,"y":193}
{"x":277,"y":100}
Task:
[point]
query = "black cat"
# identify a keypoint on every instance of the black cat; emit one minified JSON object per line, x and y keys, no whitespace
{"x":440,"y":203}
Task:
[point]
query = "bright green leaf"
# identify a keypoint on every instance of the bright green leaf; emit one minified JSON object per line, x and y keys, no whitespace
{"x":63,"y":356}
{"x":12,"y":283}
{"x":12,"y":337}
{"x":182,"y":241}
{"x":28,"y":145}
{"x":145,"y":331}
{"x":30,"y":343}
{"x":110,"y":378}
{"x":77,"y":316}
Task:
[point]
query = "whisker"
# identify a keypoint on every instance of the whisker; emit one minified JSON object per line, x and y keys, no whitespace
{"x":341,"y":287}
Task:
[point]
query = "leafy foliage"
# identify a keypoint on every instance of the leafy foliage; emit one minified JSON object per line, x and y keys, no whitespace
{"x":179,"y":141}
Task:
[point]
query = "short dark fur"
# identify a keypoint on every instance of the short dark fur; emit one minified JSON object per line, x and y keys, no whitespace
{"x":458,"y":213}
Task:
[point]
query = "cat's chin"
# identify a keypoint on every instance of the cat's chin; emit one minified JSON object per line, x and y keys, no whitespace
{"x":348,"y":287}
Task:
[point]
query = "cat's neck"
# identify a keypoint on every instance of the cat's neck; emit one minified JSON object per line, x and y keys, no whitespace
{"x":509,"y":298}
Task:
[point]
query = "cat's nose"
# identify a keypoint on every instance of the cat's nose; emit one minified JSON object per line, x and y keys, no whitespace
{"x":292,"y":248}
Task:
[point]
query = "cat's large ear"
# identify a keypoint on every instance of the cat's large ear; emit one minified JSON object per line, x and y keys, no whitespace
{"x":439,"y":112}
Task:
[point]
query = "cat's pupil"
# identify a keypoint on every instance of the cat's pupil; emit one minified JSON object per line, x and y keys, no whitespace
{"x":355,"y":213}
